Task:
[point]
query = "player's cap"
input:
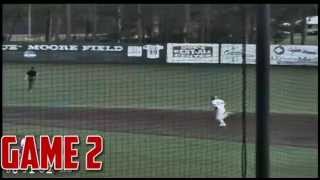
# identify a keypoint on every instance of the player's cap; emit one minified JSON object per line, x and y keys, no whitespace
{"x":213,"y":97}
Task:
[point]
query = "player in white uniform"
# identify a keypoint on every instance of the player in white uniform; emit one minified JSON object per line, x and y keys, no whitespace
{"x":22,"y":144}
{"x":220,"y":111}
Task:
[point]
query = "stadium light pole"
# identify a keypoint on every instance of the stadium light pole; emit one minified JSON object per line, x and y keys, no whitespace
{"x":262,"y":88}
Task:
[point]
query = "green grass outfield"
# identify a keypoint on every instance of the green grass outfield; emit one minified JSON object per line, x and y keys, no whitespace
{"x":293,"y":89}
{"x":137,"y":155}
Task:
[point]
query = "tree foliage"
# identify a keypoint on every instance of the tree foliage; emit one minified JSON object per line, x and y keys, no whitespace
{"x":148,"y":22}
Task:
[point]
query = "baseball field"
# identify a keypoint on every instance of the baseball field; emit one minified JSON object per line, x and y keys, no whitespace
{"x":157,"y":121}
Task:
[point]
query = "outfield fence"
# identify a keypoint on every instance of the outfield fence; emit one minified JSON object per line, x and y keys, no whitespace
{"x":186,"y":53}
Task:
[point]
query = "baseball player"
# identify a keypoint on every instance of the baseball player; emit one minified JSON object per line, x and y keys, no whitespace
{"x":22,"y":144}
{"x":220,"y":111}
{"x":31,"y":77}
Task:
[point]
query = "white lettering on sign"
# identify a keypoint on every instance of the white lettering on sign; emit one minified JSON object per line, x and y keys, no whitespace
{"x":11,"y":47}
{"x":29,"y":54}
{"x":192,"y":53}
{"x":52,"y":47}
{"x":101,"y":48}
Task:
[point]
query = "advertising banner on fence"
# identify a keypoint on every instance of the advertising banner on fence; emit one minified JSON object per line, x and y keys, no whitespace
{"x":86,"y":53}
{"x":279,"y":54}
{"x":155,"y":53}
{"x":294,"y":55}
{"x":232,"y":54}
{"x":192,"y":53}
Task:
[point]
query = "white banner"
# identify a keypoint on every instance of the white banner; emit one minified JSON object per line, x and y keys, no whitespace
{"x":294,"y":55}
{"x":232,"y":53}
{"x":134,"y":51}
{"x":153,"y":51}
{"x":279,"y":54}
{"x":192,"y":53}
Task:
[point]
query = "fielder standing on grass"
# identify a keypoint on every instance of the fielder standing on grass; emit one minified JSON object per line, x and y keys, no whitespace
{"x":220,"y":111}
{"x":31,"y":77}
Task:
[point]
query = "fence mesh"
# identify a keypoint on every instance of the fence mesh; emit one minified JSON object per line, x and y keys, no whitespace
{"x":157,"y":121}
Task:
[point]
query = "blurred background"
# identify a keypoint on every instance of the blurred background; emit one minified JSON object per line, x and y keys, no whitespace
{"x":151,"y":23}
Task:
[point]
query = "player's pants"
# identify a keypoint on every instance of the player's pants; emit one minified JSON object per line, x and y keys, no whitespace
{"x":221,"y":121}
{"x":30,"y":84}
{"x":220,"y":116}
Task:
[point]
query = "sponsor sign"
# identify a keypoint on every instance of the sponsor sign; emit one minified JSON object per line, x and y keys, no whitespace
{"x":153,"y":51}
{"x":29,"y":54}
{"x":134,"y":51}
{"x":294,"y":55}
{"x":232,"y":54}
{"x":192,"y":53}
{"x":279,"y":54}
